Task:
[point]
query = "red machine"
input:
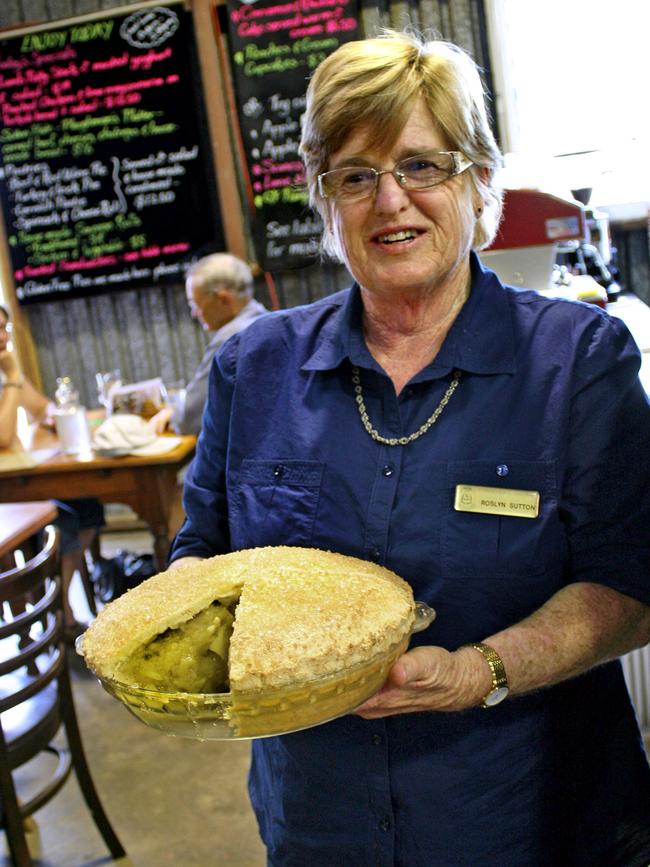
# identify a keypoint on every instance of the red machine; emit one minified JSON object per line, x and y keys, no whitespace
{"x":534,"y":224}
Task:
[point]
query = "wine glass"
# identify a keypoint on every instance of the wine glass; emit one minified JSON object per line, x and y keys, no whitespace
{"x":106,"y":382}
{"x":174,"y":395}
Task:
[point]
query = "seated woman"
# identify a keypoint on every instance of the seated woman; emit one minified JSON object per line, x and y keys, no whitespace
{"x":80,"y":519}
{"x":16,"y":390}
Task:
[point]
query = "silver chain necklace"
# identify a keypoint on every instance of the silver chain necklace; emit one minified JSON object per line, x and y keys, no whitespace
{"x":400,"y":441}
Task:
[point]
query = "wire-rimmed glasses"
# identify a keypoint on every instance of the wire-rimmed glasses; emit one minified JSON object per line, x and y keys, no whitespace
{"x":418,"y":172}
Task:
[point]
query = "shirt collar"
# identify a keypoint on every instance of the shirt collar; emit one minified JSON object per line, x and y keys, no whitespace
{"x":341,"y":336}
{"x":481,"y":339}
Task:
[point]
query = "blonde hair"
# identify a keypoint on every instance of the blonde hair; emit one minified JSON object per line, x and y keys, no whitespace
{"x":374,"y":83}
{"x":221,"y":271}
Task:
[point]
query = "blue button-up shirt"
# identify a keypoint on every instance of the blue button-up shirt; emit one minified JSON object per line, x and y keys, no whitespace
{"x":549,"y":401}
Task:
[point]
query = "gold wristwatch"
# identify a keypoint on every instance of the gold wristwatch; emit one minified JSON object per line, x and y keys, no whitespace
{"x":500,"y":688}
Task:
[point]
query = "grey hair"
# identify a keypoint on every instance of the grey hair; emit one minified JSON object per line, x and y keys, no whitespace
{"x":374,"y":83}
{"x":221,"y":271}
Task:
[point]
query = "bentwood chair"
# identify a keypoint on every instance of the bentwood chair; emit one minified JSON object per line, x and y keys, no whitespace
{"x":36,"y":698}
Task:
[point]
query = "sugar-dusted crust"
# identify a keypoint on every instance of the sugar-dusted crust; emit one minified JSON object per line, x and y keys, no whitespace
{"x":306,"y":613}
{"x":303,"y":614}
{"x":162,"y":602}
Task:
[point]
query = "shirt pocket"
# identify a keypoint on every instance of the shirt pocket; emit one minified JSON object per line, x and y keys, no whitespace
{"x":274,"y":502}
{"x":478,"y":544}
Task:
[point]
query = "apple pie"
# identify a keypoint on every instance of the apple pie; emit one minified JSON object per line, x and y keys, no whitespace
{"x":315,"y":628}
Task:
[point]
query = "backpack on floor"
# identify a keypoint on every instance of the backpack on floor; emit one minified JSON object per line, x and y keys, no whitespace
{"x":113,"y":576}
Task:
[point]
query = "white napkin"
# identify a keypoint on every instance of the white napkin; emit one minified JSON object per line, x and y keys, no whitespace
{"x":160,"y":446}
{"x":122,"y":434}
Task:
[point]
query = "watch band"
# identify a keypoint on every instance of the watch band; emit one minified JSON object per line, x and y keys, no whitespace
{"x":499,"y":689}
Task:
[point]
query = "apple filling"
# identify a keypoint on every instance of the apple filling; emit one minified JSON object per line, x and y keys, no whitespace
{"x":190,"y":658}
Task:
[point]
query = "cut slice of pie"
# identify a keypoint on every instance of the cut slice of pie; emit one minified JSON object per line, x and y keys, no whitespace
{"x":293,"y":634}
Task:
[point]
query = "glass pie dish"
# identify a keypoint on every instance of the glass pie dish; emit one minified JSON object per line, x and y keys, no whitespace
{"x":224,"y":716}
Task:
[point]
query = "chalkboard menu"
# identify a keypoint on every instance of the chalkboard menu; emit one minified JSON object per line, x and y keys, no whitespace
{"x":105,"y":176}
{"x":275,"y":46}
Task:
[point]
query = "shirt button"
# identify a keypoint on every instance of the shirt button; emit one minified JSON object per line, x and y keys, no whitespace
{"x":375,"y":554}
{"x":278,"y":471}
{"x":503,"y":469}
{"x":377,"y":739}
{"x":387,"y":470}
{"x":384,"y":824}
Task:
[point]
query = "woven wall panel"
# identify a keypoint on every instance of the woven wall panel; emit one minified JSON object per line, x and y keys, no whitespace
{"x":149,"y":332}
{"x":9,"y":12}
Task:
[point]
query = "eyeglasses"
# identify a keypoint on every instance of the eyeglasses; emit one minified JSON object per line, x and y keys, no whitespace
{"x":414,"y":173}
{"x":7,"y":327}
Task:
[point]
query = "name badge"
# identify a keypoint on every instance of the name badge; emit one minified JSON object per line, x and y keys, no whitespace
{"x":497,"y":501}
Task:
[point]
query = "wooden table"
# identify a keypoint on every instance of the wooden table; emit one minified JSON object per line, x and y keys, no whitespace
{"x":19,"y":521}
{"x":147,"y":484}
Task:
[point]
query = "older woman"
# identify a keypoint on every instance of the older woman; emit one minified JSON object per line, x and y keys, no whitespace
{"x":489,"y":445}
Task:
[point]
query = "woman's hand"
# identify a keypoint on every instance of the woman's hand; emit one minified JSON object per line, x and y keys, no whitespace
{"x":582,"y":625}
{"x":9,"y":365}
{"x":430,"y":679}
{"x":184,"y":561}
{"x":161,"y":419}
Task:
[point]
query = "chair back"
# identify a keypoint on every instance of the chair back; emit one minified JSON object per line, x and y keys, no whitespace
{"x":32,"y":652}
{"x":36,"y":697}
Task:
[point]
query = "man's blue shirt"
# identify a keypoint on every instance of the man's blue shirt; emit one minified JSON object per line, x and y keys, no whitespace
{"x":549,"y":401}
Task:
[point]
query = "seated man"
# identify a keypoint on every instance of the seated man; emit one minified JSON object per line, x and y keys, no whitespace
{"x":219,"y":292}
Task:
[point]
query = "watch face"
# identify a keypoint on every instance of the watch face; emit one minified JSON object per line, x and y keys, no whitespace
{"x":497,"y":695}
